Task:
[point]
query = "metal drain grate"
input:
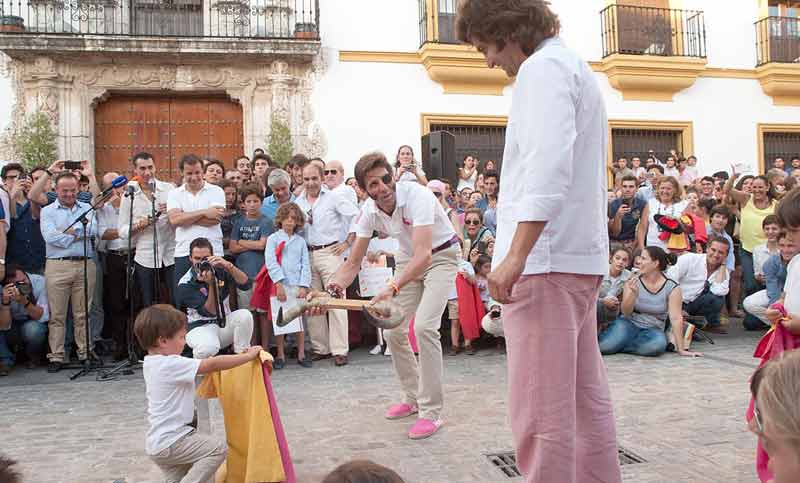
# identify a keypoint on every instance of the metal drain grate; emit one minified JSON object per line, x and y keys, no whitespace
{"x":626,"y":457}
{"x":507,"y":461}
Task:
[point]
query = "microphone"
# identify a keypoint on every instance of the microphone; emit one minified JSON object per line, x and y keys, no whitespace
{"x":118,"y":181}
{"x":152,"y":185}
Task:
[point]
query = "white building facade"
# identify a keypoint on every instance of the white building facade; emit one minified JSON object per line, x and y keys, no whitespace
{"x":350,"y":76}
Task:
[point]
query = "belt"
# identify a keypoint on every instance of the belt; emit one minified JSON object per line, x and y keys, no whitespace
{"x":71,"y":259}
{"x":119,"y":253}
{"x":313,"y":248}
{"x":446,"y":245}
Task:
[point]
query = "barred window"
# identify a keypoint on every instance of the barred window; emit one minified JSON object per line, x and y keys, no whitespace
{"x":629,"y":143}
{"x":784,"y":145}
{"x":485,"y":142}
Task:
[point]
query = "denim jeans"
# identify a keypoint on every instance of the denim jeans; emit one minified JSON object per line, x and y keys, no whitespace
{"x":707,"y":305}
{"x":751,"y":285}
{"x":625,"y":336}
{"x":32,"y":335}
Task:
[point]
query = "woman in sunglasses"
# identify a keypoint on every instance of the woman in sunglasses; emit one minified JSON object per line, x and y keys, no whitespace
{"x":775,"y":418}
{"x":478,"y":235}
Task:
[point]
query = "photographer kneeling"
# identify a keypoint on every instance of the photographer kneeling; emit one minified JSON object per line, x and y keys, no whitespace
{"x":199,"y":293}
{"x":23,"y":318}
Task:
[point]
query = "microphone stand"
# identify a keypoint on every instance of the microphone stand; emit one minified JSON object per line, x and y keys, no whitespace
{"x":92,"y":362}
{"x":127,"y":366}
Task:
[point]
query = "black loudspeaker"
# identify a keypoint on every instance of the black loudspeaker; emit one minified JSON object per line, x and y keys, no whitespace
{"x":439,"y":156}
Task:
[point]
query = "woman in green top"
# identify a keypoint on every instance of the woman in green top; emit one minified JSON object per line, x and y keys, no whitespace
{"x":753,"y":208}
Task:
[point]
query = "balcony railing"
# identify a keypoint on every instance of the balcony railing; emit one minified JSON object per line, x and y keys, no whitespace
{"x":442,"y":20}
{"x":268,"y":19}
{"x":778,"y":40}
{"x":652,"y":31}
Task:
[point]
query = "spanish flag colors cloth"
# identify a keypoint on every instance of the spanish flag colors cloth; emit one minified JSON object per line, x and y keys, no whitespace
{"x":257,"y":447}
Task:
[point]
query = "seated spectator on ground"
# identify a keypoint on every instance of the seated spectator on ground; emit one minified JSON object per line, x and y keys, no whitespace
{"x":214,"y":171}
{"x":610,"y":297}
{"x":362,"y":471}
{"x":475,"y":233}
{"x":647,"y":300}
{"x":704,"y":282}
{"x":774,"y":274}
{"x":201,"y":295}
{"x":23,"y":318}
{"x":762,"y":252}
{"x":720,"y":215}
{"x":624,"y":214}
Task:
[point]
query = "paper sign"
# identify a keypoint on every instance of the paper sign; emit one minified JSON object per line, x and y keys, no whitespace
{"x":372,"y":280}
{"x":295,"y":325}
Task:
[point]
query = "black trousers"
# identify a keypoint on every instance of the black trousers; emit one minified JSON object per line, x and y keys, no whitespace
{"x":116,"y":304}
{"x":146,"y":281}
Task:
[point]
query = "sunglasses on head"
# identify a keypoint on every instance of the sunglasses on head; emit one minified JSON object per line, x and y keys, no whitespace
{"x":330,"y":171}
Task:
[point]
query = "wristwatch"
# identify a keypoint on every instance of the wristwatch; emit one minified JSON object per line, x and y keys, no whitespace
{"x":2,"y":261}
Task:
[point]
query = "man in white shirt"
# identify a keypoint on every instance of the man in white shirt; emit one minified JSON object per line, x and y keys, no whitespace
{"x":334,"y":180}
{"x":326,"y":213}
{"x":551,"y":249}
{"x":427,"y":263}
{"x":788,"y":214}
{"x":195,"y":209}
{"x":115,"y":268}
{"x":153,"y":239}
{"x":704,"y":282}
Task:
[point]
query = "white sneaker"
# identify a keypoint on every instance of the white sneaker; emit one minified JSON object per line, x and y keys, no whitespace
{"x":387,"y":352}
{"x":376,"y":350}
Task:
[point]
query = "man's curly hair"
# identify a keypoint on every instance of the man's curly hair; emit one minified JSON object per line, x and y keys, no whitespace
{"x":527,"y":22}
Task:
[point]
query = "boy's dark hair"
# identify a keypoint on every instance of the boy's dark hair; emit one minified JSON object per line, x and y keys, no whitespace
{"x":156,"y":321}
{"x":362,"y":471}
{"x":708,"y":178}
{"x":629,"y":177}
{"x":491,"y":174}
{"x":769,"y":220}
{"x":707,"y":204}
{"x":721,"y":175}
{"x":248,"y":190}
{"x":265,"y":157}
{"x":290,"y":209}
{"x":83,"y":179}
{"x":11,"y":167}
{"x":226,"y":183}
{"x":783,"y":234}
{"x":141,"y":155}
{"x":298,"y":159}
{"x":482,"y":260}
{"x":656,"y":166}
{"x":720,"y":210}
{"x":11,"y":271}
{"x":719,"y":239}
{"x":39,"y":167}
{"x":63,"y":175}
{"x":527,"y":22}
{"x":200,"y":243}
{"x":216,"y":162}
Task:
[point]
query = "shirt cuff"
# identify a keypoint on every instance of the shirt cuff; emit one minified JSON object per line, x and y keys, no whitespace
{"x":536,"y":208}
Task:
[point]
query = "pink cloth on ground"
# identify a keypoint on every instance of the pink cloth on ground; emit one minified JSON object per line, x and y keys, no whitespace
{"x":560,"y":406}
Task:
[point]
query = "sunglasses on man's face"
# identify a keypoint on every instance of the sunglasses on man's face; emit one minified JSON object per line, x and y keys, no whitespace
{"x":330,"y":171}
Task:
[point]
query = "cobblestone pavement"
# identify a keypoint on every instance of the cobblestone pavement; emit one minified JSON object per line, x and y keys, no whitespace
{"x":683,"y":416}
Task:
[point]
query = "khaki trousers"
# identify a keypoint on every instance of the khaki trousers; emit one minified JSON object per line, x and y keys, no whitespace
{"x":424,"y":300}
{"x":328,"y":333}
{"x":64,"y":283}
{"x":194,"y":458}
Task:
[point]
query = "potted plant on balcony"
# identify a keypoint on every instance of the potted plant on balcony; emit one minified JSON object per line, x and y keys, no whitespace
{"x":279,"y":142}
{"x":305,"y":30}
{"x":11,"y":23}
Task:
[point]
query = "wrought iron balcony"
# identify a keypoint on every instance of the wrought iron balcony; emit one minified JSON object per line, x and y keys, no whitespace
{"x":778,"y":40}
{"x":653,"y":31}
{"x":229,"y":19}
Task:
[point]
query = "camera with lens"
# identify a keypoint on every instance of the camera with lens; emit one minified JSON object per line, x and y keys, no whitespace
{"x":24,"y":288}
{"x":203,"y":266}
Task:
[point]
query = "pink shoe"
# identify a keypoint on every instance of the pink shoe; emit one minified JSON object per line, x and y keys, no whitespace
{"x":424,"y":428}
{"x":400,"y":411}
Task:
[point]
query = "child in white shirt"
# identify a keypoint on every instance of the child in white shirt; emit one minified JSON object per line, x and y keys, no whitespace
{"x":172,"y":442}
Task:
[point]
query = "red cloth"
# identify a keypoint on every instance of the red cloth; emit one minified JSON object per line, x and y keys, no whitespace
{"x":264,"y":288}
{"x":699,"y":228}
{"x":470,"y":308}
{"x":280,"y":434}
{"x":774,"y":343}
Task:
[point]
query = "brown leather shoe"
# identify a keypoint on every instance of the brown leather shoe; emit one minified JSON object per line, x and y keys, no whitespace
{"x":340,"y":360}
{"x":320,"y":357}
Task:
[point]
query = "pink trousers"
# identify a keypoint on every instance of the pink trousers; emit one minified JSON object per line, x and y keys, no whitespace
{"x":559,"y":402}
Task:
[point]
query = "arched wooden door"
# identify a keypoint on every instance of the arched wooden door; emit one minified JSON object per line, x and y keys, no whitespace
{"x":167,"y":128}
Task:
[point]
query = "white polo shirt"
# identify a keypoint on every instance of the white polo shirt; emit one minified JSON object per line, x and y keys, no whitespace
{"x":416,"y":206}
{"x":554,"y":165}
{"x":792,"y":287}
{"x":330,"y":215}
{"x":208,"y":196}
